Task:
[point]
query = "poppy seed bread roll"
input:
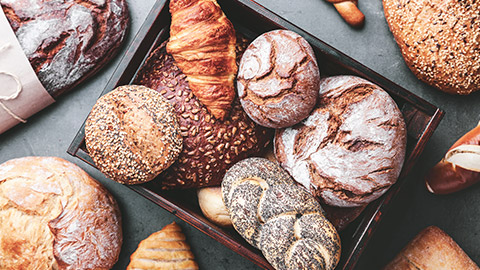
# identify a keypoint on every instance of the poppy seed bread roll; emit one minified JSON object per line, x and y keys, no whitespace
{"x":132,"y":134}
{"x":279,"y":217}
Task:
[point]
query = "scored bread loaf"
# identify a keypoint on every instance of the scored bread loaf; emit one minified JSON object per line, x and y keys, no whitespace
{"x":67,"y":41}
{"x":53,"y":215}
{"x":432,"y":249}
{"x":165,"y":249}
{"x":282,"y":219}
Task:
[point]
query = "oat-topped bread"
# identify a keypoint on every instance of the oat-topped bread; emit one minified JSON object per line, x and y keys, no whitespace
{"x":351,"y":148}
{"x":53,"y":215}
{"x":439,"y":40}
{"x":210,"y":146}
{"x":165,"y":249}
{"x":132,"y":134}
{"x":279,"y":217}
{"x":66,"y":41}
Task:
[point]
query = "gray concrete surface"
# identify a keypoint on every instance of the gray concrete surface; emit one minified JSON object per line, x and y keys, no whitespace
{"x":50,"y":132}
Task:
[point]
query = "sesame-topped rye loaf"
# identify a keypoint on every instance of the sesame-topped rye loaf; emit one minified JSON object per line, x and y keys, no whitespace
{"x":67,"y":41}
{"x":439,"y":40}
{"x":132,"y":134}
{"x":210,"y":146}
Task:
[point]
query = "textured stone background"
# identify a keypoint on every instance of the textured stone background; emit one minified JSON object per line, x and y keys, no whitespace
{"x":50,"y":132}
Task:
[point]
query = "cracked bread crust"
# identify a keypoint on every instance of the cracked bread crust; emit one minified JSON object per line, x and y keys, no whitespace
{"x":278,"y":79}
{"x":351,"y":149}
{"x":439,"y":41}
{"x":67,"y":41}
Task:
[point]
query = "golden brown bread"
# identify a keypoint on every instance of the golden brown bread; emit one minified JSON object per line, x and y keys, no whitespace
{"x":53,"y":215}
{"x":165,"y":249}
{"x":439,"y":41}
{"x":432,"y":249}
{"x":132,"y":134}
{"x":349,"y":11}
{"x":202,"y":42}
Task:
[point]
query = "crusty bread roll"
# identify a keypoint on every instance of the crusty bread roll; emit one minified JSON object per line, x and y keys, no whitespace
{"x":282,"y":219}
{"x":165,"y":249}
{"x":432,"y":249}
{"x":132,"y":134}
{"x":278,"y":79}
{"x":55,"y":216}
{"x":351,"y":148}
{"x":212,"y":206}
{"x":439,"y":41}
{"x":210,"y":146}
{"x":67,"y":41}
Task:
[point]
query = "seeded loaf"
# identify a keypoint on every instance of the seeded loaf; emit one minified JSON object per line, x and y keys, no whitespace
{"x":67,"y":41}
{"x":351,"y":149}
{"x":439,"y":41}
{"x":55,"y":216}
{"x":279,"y":217}
{"x":210,"y":146}
{"x":278,"y":79}
{"x":132,"y":134}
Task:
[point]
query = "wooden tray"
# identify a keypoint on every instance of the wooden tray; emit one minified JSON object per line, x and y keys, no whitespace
{"x":252,"y":19}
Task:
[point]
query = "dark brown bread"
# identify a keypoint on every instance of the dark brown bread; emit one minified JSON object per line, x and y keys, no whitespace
{"x":351,"y":149}
{"x":132,"y":134}
{"x":55,"y":216}
{"x":67,"y":41}
{"x":278,"y":79}
{"x":210,"y":146}
{"x":279,"y":217}
{"x":439,"y":41}
{"x":432,"y":249}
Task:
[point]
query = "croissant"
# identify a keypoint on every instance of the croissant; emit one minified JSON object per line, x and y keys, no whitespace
{"x":165,"y":249}
{"x":202,"y":42}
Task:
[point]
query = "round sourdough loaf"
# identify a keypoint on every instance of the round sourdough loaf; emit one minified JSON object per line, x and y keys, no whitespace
{"x":210,"y":146}
{"x":132,"y":134}
{"x":278,"y":79}
{"x":351,"y":149}
{"x":439,"y":40}
{"x":68,"y":40}
{"x":55,"y":216}
{"x":279,"y":217}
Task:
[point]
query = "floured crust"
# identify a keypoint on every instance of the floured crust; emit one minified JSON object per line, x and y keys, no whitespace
{"x":439,"y":41}
{"x":278,"y":79}
{"x":351,"y":148}
{"x":55,"y":216}
{"x":67,"y":41}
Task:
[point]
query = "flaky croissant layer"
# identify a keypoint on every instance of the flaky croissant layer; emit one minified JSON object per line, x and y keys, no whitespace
{"x":202,"y":42}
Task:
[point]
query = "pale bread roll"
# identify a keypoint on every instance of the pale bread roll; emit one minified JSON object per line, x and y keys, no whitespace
{"x":212,"y":206}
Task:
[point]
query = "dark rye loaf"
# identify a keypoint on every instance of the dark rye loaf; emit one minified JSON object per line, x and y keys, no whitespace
{"x":67,"y":41}
{"x":210,"y":146}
